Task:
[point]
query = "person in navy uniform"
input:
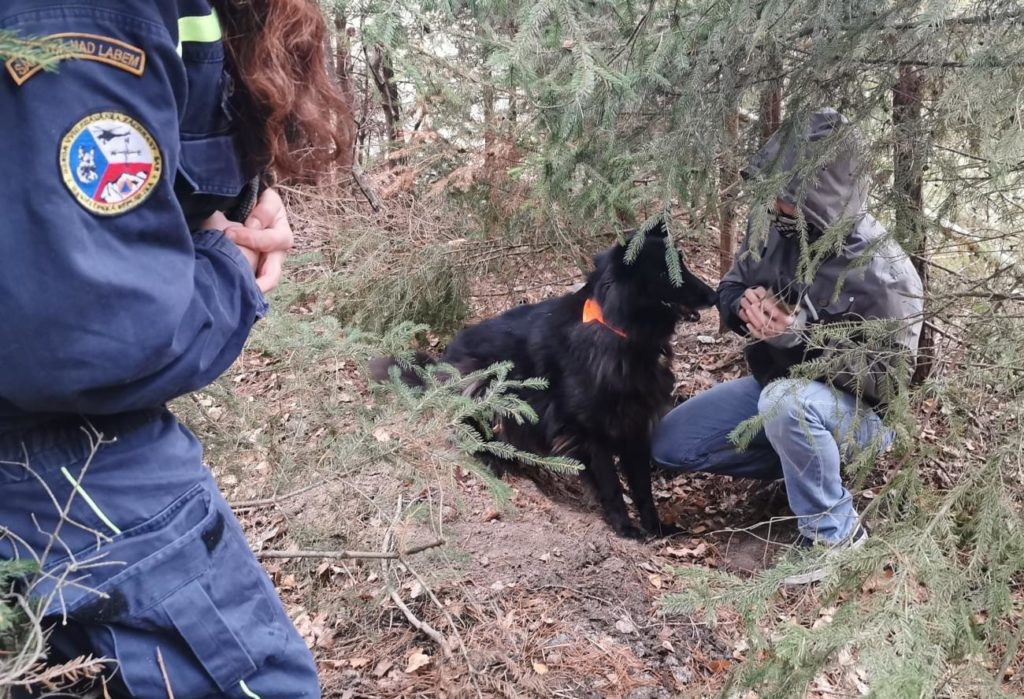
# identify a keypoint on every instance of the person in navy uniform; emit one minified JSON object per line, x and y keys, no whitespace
{"x":134,"y":269}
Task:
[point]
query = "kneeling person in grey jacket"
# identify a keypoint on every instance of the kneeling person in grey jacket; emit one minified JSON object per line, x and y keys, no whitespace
{"x":810,"y":426}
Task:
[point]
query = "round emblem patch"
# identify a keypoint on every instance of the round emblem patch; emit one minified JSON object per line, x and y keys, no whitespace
{"x":109,"y":162}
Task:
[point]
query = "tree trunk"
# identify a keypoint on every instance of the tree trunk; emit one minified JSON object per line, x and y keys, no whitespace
{"x":343,"y":58}
{"x":770,"y":108}
{"x":379,"y":63}
{"x":908,"y":174}
{"x":727,"y":174}
{"x":343,"y":72}
{"x":513,"y":105}
{"x":490,"y":127}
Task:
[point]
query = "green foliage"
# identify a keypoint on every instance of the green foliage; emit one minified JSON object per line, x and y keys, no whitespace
{"x":21,"y":645}
{"x":623,"y":109}
{"x":624,"y":105}
{"x":431,"y":288}
{"x":447,"y":422}
{"x":12,"y":617}
{"x":931,"y":605}
{"x":475,"y":402}
{"x":14,"y":46}
{"x":922,"y":602}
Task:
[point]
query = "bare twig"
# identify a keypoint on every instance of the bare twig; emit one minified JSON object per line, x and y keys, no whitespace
{"x":435,"y":635}
{"x":385,"y":567}
{"x":163,"y":671}
{"x":386,"y":555}
{"x":443,"y":610}
{"x":360,"y":179}
{"x":267,"y":502}
{"x":96,"y":442}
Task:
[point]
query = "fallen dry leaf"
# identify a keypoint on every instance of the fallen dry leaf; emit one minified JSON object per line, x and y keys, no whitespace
{"x":824,"y":617}
{"x":381,"y":435}
{"x":417,"y":659}
{"x":540,"y":668}
{"x":358,"y":662}
{"x":655,"y":580}
{"x":382,"y":668}
{"x":697,"y":551}
{"x":718,"y":665}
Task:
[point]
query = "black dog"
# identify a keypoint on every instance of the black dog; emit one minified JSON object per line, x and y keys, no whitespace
{"x":605,"y":352}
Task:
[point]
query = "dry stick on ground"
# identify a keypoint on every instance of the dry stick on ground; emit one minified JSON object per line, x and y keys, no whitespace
{"x":278,"y":499}
{"x":383,"y":554}
{"x":365,"y":187}
{"x":267,"y":502}
{"x":447,"y":616}
{"x":385,"y":567}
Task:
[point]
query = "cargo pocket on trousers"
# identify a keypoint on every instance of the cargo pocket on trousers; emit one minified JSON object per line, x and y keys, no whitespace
{"x":200,"y":598}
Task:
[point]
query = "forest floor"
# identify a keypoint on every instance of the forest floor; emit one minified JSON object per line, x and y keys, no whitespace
{"x":530,"y":594}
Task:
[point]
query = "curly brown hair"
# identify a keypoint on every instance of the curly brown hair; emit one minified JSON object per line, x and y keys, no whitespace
{"x":295,"y":117}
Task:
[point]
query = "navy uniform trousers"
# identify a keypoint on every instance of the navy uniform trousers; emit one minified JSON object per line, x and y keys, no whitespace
{"x":142,"y":558}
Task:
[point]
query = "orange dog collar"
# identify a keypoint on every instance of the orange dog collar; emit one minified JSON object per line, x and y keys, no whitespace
{"x":592,"y":313}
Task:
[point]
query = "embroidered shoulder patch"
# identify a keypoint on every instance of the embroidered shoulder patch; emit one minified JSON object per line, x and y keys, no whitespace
{"x":109,"y":162}
{"x":85,"y":47}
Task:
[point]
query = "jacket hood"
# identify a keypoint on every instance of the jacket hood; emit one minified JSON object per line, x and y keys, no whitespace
{"x":836,"y":191}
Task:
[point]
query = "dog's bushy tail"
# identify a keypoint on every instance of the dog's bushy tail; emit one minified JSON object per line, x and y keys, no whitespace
{"x":380,"y":369}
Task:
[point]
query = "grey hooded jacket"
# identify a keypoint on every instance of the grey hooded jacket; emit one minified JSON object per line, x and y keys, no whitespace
{"x":872,"y":278}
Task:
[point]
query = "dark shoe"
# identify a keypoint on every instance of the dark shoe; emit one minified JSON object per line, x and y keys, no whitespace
{"x":815,"y":556}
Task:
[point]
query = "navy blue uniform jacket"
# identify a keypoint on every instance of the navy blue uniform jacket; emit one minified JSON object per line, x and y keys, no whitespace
{"x":112,"y":300}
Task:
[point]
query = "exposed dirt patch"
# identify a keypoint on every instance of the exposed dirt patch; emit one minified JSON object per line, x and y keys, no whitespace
{"x":533,"y":594}
{"x":536,"y":597}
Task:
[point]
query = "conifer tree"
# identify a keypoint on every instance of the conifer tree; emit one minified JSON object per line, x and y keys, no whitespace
{"x":626,"y":109}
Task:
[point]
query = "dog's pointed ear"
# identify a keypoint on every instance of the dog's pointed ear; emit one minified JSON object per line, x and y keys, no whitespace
{"x":659,"y":230}
{"x":604,"y":258}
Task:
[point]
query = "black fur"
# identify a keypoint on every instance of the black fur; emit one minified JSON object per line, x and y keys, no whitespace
{"x":605,"y":392}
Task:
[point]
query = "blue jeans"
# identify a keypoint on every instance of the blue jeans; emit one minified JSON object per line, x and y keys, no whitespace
{"x":148,"y":556}
{"x":809,"y":429}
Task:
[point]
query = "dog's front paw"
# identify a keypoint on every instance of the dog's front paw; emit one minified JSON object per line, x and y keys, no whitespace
{"x":627,"y":530}
{"x":664,"y":529}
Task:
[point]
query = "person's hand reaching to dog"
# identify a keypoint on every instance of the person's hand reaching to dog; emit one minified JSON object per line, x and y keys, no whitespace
{"x":763,"y":315}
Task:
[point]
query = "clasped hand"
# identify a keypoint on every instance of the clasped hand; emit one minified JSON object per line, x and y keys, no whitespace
{"x":763,"y":315}
{"x":265,"y":238}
